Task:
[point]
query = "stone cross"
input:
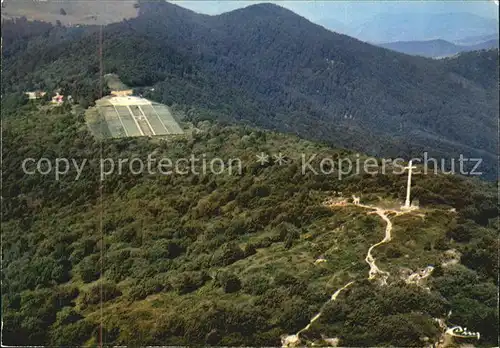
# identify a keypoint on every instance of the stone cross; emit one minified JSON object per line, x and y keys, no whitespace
{"x":408,"y":185}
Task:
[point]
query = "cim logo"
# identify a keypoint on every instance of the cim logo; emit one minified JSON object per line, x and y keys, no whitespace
{"x":458,"y":331}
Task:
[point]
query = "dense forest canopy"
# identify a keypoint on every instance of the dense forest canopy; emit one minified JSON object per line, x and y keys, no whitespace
{"x":227,"y":259}
{"x":268,"y":67}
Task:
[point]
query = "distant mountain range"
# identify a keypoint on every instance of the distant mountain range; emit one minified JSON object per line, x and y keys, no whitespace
{"x":391,"y":28}
{"x":428,"y":35}
{"x":461,"y":28}
{"x":411,"y":27}
{"x":436,"y":48}
{"x":475,"y":40}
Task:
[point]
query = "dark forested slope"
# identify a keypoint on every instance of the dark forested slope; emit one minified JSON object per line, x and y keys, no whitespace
{"x":269,"y":67}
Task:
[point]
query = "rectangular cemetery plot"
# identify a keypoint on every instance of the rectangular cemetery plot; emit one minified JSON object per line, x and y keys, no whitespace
{"x":141,"y":120}
{"x":113,"y":121}
{"x":136,"y":112}
{"x":154,"y":120}
{"x":128,"y":121}
{"x":133,"y":116}
{"x":143,"y":124}
{"x":167,"y":119}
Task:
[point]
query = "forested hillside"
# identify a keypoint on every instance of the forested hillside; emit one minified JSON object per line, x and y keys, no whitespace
{"x":228,"y":260}
{"x":268,"y":67}
{"x":244,"y":258}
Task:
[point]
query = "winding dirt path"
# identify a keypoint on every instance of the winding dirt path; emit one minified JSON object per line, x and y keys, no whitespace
{"x":294,"y":340}
{"x":333,"y":298}
{"x":374,"y":270}
{"x":370,"y":260}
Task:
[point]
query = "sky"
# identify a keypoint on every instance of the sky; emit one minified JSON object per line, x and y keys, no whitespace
{"x":352,"y":11}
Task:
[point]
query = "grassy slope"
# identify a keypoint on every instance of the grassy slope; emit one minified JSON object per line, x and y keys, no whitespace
{"x":90,"y":12}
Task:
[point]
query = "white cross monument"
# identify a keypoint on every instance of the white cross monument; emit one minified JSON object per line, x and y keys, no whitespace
{"x":408,"y":186}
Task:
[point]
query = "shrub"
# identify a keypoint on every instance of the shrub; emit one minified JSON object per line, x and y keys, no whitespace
{"x":147,"y":287}
{"x":229,"y":282}
{"x":461,"y":233}
{"x":250,"y":249}
{"x":89,"y":268}
{"x":93,"y":295}
{"x":75,"y":333}
{"x":165,"y":249}
{"x":228,"y":254}
{"x":256,"y":285}
{"x":393,"y":252}
{"x":189,"y":281}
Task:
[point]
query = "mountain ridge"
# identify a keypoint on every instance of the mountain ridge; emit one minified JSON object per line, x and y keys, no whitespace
{"x":436,"y":48}
{"x":293,"y":75}
{"x":413,"y":27}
